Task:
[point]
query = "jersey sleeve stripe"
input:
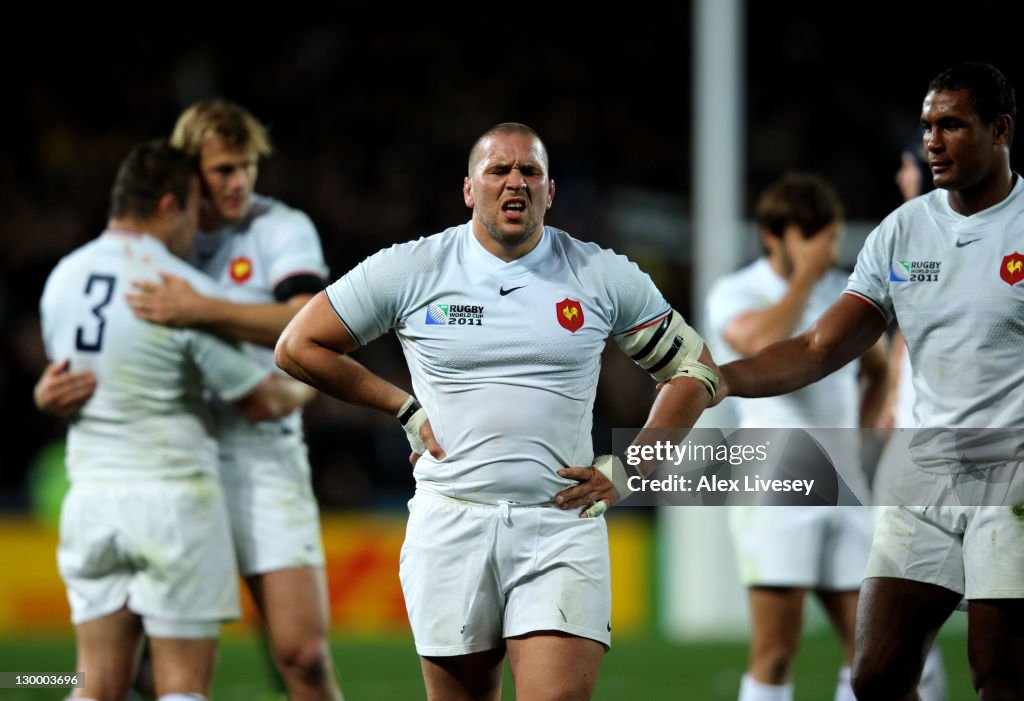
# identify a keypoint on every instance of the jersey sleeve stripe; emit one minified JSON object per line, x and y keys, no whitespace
{"x":867,"y":300}
{"x":643,"y":325}
{"x":342,"y":320}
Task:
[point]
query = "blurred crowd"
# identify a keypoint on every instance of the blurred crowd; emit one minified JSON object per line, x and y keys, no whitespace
{"x":372,"y":119}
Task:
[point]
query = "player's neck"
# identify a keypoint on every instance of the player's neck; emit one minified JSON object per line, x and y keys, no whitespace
{"x":985,"y":194}
{"x":503,"y":250}
{"x":133,"y":225}
{"x":780,"y":264}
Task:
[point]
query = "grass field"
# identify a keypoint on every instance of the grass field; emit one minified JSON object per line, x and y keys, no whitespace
{"x":380,"y":669}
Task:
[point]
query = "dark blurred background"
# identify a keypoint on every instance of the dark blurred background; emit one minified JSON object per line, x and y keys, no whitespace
{"x":373,"y":109}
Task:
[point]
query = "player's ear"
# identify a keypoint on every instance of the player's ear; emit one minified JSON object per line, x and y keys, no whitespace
{"x":467,"y":192}
{"x":551,"y":193}
{"x":1003,"y":128}
{"x":167,"y":204}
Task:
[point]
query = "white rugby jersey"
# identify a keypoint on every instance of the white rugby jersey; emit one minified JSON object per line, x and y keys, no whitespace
{"x":954,"y":284}
{"x":503,"y":356}
{"x":833,"y":401}
{"x":147,"y":416}
{"x":249,"y":259}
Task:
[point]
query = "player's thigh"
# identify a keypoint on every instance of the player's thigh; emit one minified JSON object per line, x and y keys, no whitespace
{"x":106,"y":649}
{"x":897,"y":620}
{"x":995,"y":643}
{"x":293,"y":602}
{"x":183,"y":665}
{"x":472,"y":677}
{"x":776,"y":617}
{"x":554,"y":665}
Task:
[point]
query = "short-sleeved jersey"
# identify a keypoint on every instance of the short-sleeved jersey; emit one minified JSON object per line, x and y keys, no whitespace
{"x":954,"y":284}
{"x":832,"y":402}
{"x":148,"y":416}
{"x":250,"y":259}
{"x":504,"y":356}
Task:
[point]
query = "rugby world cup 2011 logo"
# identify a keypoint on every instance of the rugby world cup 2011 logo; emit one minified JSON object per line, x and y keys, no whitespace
{"x":569,"y":313}
{"x":1012,"y":268}
{"x":437,"y":315}
{"x":899,"y":271}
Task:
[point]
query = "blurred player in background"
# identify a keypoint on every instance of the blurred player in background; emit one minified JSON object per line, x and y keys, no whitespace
{"x":145,"y":543}
{"x":947,"y":267}
{"x":785,"y":552}
{"x":268,"y":260}
{"x":503,"y":322}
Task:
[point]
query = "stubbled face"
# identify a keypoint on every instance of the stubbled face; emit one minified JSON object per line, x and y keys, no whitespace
{"x":509,"y":191}
{"x":961,"y":149}
{"x":229,"y":176}
{"x":185,"y":221}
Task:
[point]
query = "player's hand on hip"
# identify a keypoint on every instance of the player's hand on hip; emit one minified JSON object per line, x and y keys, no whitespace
{"x":426,"y":435}
{"x":61,"y":392}
{"x":594,"y":491}
{"x":171,"y":302}
{"x":413,"y":418}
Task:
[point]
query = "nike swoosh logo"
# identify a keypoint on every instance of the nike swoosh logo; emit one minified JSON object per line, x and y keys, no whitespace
{"x":961,"y":244}
{"x":502,"y":291}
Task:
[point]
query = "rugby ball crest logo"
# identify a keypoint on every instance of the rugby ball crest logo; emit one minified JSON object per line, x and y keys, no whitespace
{"x":1012,"y":268}
{"x":569,"y":314}
{"x":240,"y":269}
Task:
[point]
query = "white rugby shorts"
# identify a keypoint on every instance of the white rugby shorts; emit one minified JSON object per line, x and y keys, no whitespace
{"x":160,"y":547}
{"x":474,"y":574}
{"x":810,"y":547}
{"x":275,"y":521}
{"x":975,"y":550}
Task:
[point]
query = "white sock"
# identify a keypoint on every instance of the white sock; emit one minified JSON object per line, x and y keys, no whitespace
{"x":182,"y":697}
{"x":844,"y":692}
{"x":752,"y":690}
{"x":933,"y":678}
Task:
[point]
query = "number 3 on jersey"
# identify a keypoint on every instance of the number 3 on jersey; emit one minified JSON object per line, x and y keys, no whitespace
{"x":98,"y":288}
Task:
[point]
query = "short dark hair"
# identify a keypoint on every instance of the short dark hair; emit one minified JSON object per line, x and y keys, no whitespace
{"x":149,"y":171}
{"x":801,"y":199}
{"x":991,"y":92}
{"x":476,"y":153}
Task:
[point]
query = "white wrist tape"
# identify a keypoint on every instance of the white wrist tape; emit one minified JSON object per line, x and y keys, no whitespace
{"x":412,"y":416}
{"x":612,"y":468}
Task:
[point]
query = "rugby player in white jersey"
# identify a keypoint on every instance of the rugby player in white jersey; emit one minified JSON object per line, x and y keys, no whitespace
{"x":785,"y":552}
{"x":145,"y":543}
{"x":503,"y":322}
{"x":948,"y":267}
{"x":268,"y":260}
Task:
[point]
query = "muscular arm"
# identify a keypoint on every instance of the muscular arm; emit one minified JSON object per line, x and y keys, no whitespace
{"x":313,"y":348}
{"x":874,"y":373}
{"x":173,"y":302}
{"x":844,"y":332}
